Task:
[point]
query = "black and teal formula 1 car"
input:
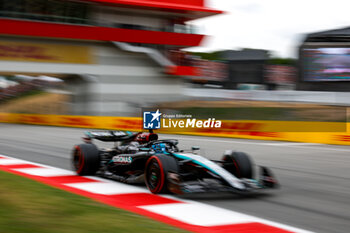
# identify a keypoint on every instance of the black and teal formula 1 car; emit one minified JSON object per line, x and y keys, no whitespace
{"x":164,"y":168}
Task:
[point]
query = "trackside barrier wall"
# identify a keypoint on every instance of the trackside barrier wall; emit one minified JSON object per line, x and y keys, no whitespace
{"x":310,"y":132}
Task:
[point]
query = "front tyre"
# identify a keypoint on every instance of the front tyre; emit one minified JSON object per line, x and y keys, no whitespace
{"x":85,"y":159}
{"x":239,"y":164}
{"x":156,"y":172}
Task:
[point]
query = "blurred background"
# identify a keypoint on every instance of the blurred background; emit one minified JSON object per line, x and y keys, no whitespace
{"x":97,"y":63}
{"x":103,"y":58}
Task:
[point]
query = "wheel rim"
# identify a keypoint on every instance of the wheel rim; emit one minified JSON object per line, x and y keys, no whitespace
{"x":153,"y":175}
{"x":236,"y":171}
{"x":78,"y":159}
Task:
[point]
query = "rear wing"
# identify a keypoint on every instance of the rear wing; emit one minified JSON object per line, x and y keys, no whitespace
{"x":109,"y":136}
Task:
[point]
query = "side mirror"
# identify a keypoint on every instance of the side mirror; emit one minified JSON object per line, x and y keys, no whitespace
{"x":195,"y":149}
{"x":174,"y":141}
{"x":87,"y":139}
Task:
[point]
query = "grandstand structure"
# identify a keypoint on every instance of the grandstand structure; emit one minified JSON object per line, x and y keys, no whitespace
{"x":114,"y":55}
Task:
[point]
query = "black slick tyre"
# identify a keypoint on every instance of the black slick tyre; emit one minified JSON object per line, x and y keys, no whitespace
{"x":239,"y":164}
{"x":156,"y":172}
{"x":85,"y":159}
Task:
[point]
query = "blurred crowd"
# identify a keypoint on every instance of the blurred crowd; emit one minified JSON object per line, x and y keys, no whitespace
{"x":206,"y":69}
{"x":16,"y":86}
{"x":280,"y":74}
{"x":242,"y":71}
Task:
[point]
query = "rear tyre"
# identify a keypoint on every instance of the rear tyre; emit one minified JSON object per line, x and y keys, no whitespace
{"x":239,"y":164}
{"x":85,"y":159}
{"x":156,"y":172}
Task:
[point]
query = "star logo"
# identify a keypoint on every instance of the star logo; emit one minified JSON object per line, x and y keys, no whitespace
{"x":151,"y":120}
{"x":156,"y":115}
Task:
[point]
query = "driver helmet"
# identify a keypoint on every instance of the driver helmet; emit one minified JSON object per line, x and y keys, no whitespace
{"x":146,"y":137}
{"x":159,"y":148}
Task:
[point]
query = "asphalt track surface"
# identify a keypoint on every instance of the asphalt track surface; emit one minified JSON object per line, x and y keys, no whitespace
{"x":315,"y":179}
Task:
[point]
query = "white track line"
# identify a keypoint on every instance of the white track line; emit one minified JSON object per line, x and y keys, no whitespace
{"x":244,"y":216}
{"x":107,"y":188}
{"x":199,"y":214}
{"x":45,"y":171}
{"x":302,"y":145}
{"x":290,"y":144}
{"x":7,"y":161}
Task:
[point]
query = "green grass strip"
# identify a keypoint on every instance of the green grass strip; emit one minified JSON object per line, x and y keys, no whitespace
{"x":29,"y":206}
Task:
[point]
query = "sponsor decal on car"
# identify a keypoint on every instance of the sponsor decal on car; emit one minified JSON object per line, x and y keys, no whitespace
{"x":122,"y":159}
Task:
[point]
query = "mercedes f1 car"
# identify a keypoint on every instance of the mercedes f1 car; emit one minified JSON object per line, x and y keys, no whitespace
{"x":141,"y":157}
